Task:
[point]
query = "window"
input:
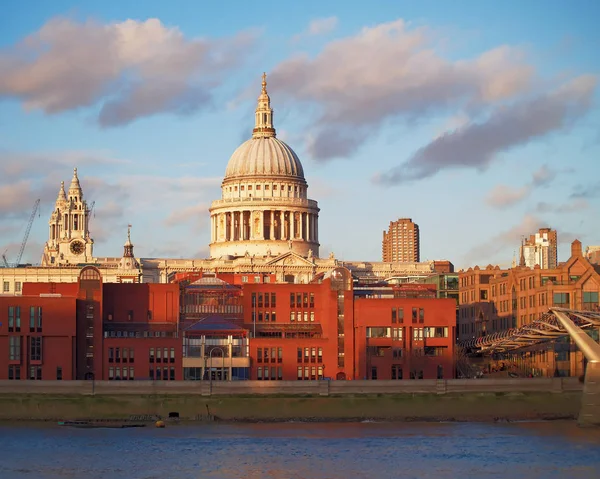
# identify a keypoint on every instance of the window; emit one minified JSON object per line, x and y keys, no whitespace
{"x":14,"y":348}
{"x":374,"y":372}
{"x":259,"y":355}
{"x":299,"y":355}
{"x":421,"y":315}
{"x":151,"y":355}
{"x":131,"y":373}
{"x":561,"y":299}
{"x":438,"y":332}
{"x":35,"y":373}
{"x":17,"y":286}
{"x":292,"y":316}
{"x":35,"y":348}
{"x":125,"y":355}
{"x":260,"y":300}
{"x":397,"y":372}
{"x":414,"y":315}
{"x":14,"y":372}
{"x":172,"y":357}
{"x":590,"y":299}
{"x":172,"y":373}
{"x":273,"y":300}
{"x":117,"y":355}
{"x":305,"y":300}
{"x":6,"y":287}
{"x":320,"y":357}
{"x":111,"y":355}
{"x":380,"y":332}
{"x":397,"y":334}
{"x":394,"y":315}
{"x":131,"y":355}
{"x":299,"y":373}
{"x":313,"y":357}
{"x":165,"y":355}
{"x":292,"y":300}
{"x":312,"y":300}
{"x":279,"y":355}
{"x":299,"y":300}
{"x":418,"y":334}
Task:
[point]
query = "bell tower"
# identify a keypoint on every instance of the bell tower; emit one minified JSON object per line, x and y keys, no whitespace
{"x":69,"y":239}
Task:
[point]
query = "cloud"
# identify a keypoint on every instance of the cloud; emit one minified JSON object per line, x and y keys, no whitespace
{"x":573,"y":206}
{"x":504,"y":240}
{"x":318,"y":26}
{"x":391,"y":70}
{"x":543,"y":176}
{"x":502,"y":196}
{"x":477,"y":144}
{"x":196,"y":214}
{"x":591,"y":190}
{"x":132,"y":69}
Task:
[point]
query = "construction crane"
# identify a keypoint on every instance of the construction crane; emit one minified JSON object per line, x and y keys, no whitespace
{"x":4,"y":260}
{"x":26,"y":237}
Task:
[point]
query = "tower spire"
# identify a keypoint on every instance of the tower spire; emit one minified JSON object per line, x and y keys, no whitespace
{"x":62,"y":195}
{"x":75,"y":187}
{"x":263,"y":120}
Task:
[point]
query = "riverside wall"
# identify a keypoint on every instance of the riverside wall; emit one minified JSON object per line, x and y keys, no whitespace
{"x":457,"y":399}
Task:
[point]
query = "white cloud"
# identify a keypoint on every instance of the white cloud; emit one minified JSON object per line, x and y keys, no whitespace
{"x":133,"y":68}
{"x":477,"y":144}
{"x":510,"y":238}
{"x":318,"y":26}
{"x":389,"y":70}
{"x":502,"y":196}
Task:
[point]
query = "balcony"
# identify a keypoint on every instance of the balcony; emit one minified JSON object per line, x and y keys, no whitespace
{"x":216,"y":362}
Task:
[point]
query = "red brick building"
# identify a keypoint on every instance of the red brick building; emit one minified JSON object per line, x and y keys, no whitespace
{"x":207,"y":328}
{"x":322,"y":329}
{"x":91,"y":330}
{"x":37,"y":337}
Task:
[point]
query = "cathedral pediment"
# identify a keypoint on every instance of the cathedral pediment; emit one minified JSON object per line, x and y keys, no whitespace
{"x":290,"y":259}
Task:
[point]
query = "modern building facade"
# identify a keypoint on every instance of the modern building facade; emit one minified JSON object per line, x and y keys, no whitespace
{"x":494,"y":300}
{"x":540,"y":249}
{"x":206,"y":328}
{"x":401,"y":242}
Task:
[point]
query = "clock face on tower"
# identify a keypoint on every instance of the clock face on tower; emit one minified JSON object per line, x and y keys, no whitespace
{"x":77,"y":247}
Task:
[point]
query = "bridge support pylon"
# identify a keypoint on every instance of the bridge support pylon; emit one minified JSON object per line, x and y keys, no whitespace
{"x":589,"y":414}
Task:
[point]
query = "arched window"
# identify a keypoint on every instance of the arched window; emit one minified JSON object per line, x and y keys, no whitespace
{"x":89,"y":273}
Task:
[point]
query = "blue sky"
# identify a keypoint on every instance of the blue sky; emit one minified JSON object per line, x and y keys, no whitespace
{"x":479,"y":120}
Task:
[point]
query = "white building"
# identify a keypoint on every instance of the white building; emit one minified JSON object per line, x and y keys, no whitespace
{"x":263,"y":224}
{"x":540,"y":249}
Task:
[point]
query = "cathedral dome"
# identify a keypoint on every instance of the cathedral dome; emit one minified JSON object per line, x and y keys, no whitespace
{"x":264,"y":156}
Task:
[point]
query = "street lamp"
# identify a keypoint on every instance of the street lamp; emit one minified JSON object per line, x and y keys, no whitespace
{"x":210,"y":369}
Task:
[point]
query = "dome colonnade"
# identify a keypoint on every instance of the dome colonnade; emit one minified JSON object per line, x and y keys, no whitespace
{"x":264,"y":209}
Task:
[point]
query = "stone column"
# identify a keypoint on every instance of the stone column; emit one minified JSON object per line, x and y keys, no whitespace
{"x":272,"y":235}
{"x":261,"y":225}
{"x":292,"y":224}
{"x":281,"y":225}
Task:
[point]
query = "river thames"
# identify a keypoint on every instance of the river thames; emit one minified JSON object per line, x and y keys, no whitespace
{"x":303,"y":450}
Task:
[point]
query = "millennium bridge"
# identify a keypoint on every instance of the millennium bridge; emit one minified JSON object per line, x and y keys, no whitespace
{"x":556,"y":323}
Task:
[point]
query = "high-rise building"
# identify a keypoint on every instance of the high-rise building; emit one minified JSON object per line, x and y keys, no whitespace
{"x":401,"y":242}
{"x":541,"y":249}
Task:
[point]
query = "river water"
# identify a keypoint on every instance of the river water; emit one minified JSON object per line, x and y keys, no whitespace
{"x":301,"y":450}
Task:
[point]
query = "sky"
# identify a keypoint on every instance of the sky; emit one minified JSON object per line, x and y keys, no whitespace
{"x":478,"y":120}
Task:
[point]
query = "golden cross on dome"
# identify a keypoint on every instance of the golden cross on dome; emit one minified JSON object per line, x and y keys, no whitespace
{"x":264,"y":82}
